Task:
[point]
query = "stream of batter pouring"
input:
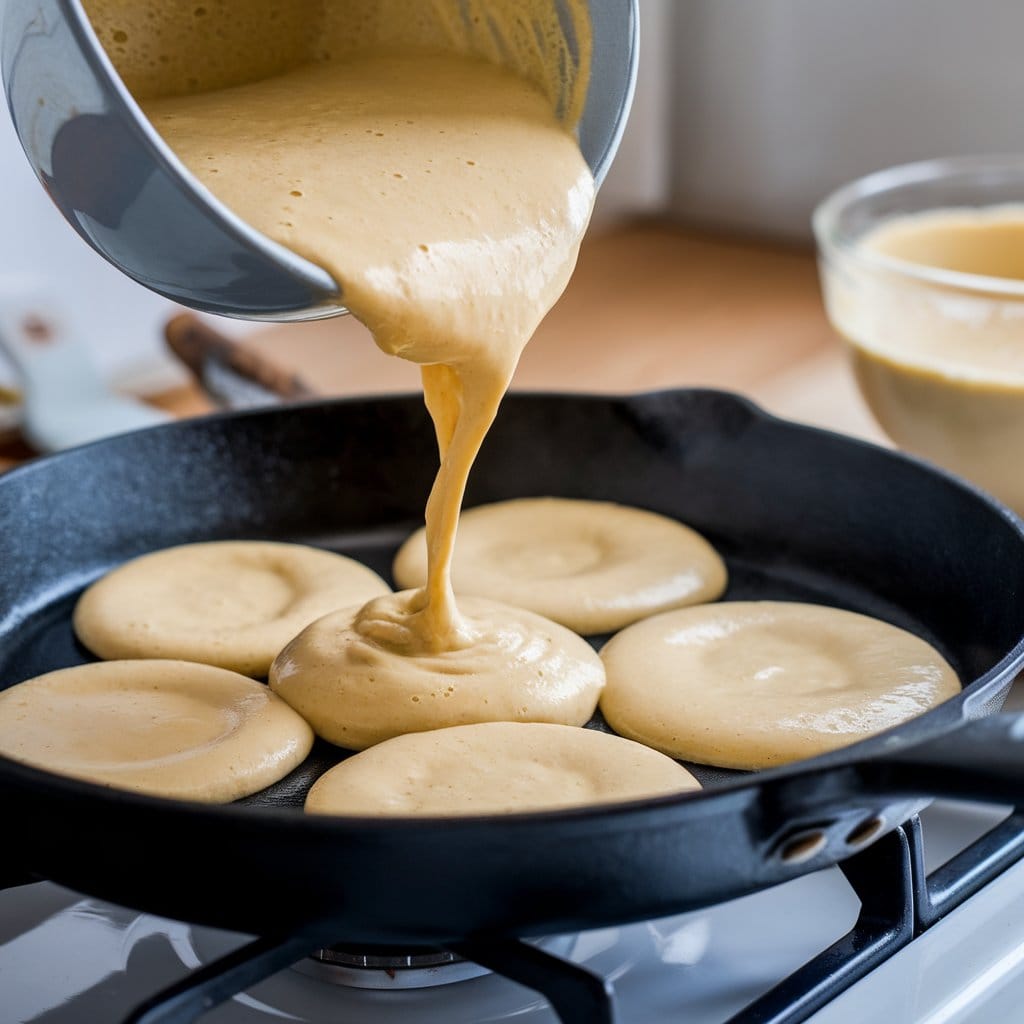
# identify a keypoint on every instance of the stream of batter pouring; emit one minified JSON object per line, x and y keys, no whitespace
{"x":439,"y":185}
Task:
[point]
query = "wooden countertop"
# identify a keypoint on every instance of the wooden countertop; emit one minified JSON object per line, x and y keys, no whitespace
{"x":650,"y":306}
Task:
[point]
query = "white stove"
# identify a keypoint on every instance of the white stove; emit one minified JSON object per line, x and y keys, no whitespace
{"x":68,"y":959}
{"x":65,"y":959}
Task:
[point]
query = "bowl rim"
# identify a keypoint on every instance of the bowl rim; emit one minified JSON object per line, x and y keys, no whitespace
{"x":833,"y":242}
{"x":115,"y":93}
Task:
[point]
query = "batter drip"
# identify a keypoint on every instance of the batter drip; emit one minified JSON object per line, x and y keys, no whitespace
{"x":366,"y":675}
{"x":449,"y":200}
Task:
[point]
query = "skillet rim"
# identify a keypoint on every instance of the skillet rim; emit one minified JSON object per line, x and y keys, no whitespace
{"x":616,"y":816}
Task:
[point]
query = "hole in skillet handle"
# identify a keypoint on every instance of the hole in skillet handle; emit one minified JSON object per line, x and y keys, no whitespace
{"x":865,"y":832}
{"x":803,"y":847}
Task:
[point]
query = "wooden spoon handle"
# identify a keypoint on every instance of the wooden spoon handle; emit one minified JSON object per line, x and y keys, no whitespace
{"x":232,"y":373}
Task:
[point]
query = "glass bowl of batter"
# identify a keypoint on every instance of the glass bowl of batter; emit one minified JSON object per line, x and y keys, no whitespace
{"x":922,"y":268}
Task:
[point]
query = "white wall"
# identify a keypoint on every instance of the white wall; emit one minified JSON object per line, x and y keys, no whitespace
{"x":638,"y":181}
{"x":120,"y":319}
{"x":777,"y":102}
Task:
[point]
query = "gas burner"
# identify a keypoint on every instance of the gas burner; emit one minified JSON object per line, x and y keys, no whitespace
{"x":389,"y":960}
{"x":392,"y":969}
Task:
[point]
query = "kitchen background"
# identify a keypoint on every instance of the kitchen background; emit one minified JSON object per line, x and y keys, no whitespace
{"x":699,"y":269}
{"x":746,"y":115}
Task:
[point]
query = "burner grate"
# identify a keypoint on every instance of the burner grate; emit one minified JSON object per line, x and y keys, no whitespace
{"x":215,"y":983}
{"x":882,"y":877}
{"x":960,"y":878}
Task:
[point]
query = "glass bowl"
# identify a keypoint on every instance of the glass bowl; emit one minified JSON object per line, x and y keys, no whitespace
{"x":938,"y":353}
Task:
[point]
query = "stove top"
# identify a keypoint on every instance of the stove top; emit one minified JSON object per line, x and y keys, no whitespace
{"x":65,"y":959}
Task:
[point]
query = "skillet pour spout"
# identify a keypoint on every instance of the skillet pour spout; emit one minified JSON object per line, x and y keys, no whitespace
{"x":798,"y":514}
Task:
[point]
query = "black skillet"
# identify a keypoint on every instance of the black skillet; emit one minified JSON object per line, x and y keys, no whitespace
{"x":799,"y":514}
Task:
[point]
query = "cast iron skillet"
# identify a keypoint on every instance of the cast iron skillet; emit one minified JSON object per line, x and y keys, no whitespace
{"x":798,"y":514}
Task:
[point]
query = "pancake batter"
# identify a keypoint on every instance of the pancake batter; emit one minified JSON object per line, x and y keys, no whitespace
{"x":444,"y":193}
{"x":496,"y":768}
{"x":988,"y":240}
{"x":761,"y":683}
{"x":166,"y":728}
{"x":363,"y":676}
{"x":233,"y":604}
{"x":591,"y":565}
{"x":942,"y":367}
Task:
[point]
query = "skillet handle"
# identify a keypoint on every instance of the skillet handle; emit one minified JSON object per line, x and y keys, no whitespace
{"x":980,"y":760}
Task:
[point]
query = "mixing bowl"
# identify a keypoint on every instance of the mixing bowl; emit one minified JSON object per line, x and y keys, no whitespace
{"x":124,"y":191}
{"x":938,"y":353}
